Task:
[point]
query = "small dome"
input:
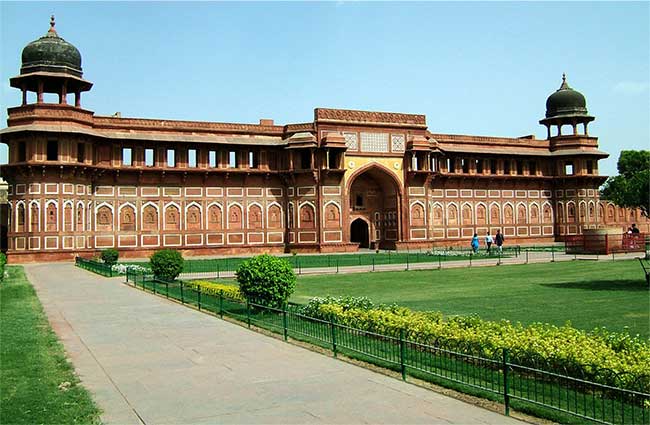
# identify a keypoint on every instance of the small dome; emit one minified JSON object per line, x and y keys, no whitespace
{"x":51,"y":53}
{"x":566,"y":102}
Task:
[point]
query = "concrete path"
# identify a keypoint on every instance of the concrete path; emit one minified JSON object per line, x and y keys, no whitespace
{"x":149,"y":360}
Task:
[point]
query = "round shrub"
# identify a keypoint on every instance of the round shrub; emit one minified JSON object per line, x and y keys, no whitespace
{"x":166,"y":264}
{"x":266,"y":279}
{"x":110,"y":256}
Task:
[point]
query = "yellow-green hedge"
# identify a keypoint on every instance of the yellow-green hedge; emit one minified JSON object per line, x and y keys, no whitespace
{"x":211,"y":288}
{"x":560,"y":348}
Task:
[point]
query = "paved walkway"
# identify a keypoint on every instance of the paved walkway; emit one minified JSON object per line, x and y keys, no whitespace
{"x":149,"y":360}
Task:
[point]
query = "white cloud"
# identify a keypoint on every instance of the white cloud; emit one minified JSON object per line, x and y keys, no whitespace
{"x":631,"y":87}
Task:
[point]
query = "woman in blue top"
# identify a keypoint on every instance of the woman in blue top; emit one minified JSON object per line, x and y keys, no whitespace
{"x":475,"y":243}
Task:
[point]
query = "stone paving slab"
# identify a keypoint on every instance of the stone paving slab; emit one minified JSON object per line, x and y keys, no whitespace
{"x":149,"y":360}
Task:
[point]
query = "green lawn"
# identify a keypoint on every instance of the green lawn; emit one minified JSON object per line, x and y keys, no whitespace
{"x":588,"y":293}
{"x":33,"y":364}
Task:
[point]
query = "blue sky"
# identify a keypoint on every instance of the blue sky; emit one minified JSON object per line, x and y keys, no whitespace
{"x":482,"y":68}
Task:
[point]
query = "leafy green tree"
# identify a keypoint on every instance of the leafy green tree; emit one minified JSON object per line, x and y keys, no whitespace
{"x":631,"y":188}
{"x":166,"y":264}
{"x":266,"y":279}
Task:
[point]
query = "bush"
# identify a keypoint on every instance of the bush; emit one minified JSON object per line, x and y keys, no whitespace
{"x":3,"y":263}
{"x":166,"y":264}
{"x":110,"y":256}
{"x":266,"y":279}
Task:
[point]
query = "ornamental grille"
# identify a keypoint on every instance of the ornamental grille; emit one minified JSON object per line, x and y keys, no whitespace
{"x":397,"y":142}
{"x":351,"y":141}
{"x":374,"y":142}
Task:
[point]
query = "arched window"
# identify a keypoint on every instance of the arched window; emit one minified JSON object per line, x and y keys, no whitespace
{"x":508,"y":214}
{"x":481,"y":215}
{"x":68,"y":218}
{"x":417,"y":215}
{"x":20,"y":218}
{"x":437,"y":215}
{"x":51,"y":217}
{"x":495,"y":214}
{"x":452,"y":215}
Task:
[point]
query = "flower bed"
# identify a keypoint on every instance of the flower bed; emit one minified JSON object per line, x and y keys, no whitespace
{"x":616,"y":359}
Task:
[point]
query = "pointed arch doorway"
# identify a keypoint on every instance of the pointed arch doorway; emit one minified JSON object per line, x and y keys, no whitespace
{"x":360,"y":233}
{"x":374,"y":207}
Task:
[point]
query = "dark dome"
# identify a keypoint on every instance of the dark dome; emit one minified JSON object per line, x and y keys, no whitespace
{"x":566,"y":102}
{"x":51,"y":53}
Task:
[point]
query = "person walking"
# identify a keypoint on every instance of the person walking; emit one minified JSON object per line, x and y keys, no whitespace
{"x":498,"y":238}
{"x":475,"y":243}
{"x":488,"y":242}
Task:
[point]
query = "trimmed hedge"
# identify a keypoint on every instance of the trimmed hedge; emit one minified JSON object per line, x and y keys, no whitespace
{"x":109,"y":256}
{"x":590,"y":355}
{"x":211,"y":288}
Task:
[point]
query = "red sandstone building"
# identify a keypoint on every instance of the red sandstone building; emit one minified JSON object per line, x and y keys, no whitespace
{"x":79,"y":183}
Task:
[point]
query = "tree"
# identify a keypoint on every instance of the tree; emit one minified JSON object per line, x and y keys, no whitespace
{"x":631,"y":188}
{"x":266,"y":279}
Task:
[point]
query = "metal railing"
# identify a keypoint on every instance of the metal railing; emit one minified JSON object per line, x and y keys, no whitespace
{"x":606,"y":243}
{"x":523,"y":387}
{"x":95,"y":267}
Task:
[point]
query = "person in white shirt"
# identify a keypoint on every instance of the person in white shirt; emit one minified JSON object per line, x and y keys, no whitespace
{"x":488,"y":242}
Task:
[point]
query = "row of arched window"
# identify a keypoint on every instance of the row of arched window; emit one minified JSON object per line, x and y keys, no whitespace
{"x":481,"y":214}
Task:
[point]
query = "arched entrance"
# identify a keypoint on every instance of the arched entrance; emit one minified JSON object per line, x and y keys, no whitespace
{"x":360,"y":233}
{"x":374,"y":198}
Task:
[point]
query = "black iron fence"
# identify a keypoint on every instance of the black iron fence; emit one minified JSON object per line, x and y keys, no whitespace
{"x":525,"y":388}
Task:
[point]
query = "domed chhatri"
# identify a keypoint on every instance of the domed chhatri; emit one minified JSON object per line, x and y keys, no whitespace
{"x":51,"y":53}
{"x":566,"y":107}
{"x":566,"y":102}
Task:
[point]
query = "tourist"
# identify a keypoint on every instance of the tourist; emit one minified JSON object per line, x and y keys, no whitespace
{"x":499,"y":240}
{"x":488,"y":242}
{"x":635,"y":229}
{"x":475,"y":243}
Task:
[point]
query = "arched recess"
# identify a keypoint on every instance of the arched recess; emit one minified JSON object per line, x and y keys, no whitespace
{"x":417,"y":215}
{"x":214,"y":217}
{"x":571,"y":212}
{"x":481,"y":214}
{"x":547,"y":212}
{"x":582,"y":209}
{"x":332,"y":215}
{"x":438,"y":214}
{"x":375,"y":189}
{"x":150,"y":217}
{"x":20,"y":217}
{"x":290,"y":216}
{"x":560,"y":212}
{"x":306,"y":216}
{"x":466,"y":214}
{"x":68,"y":216}
{"x":611,"y":213}
{"x":255,"y":216}
{"x":591,"y":211}
{"x":522,"y":213}
{"x":495,"y":213}
{"x":534,"y":213}
{"x":508,"y":213}
{"x":193,"y":213}
{"x":80,"y":217}
{"x":274,"y":216}
{"x":104,"y":217}
{"x":52,"y":216}
{"x":452,"y":214}
{"x":34,"y":216}
{"x":126,"y":217}
{"x":172,"y":216}
{"x":235,"y":216}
